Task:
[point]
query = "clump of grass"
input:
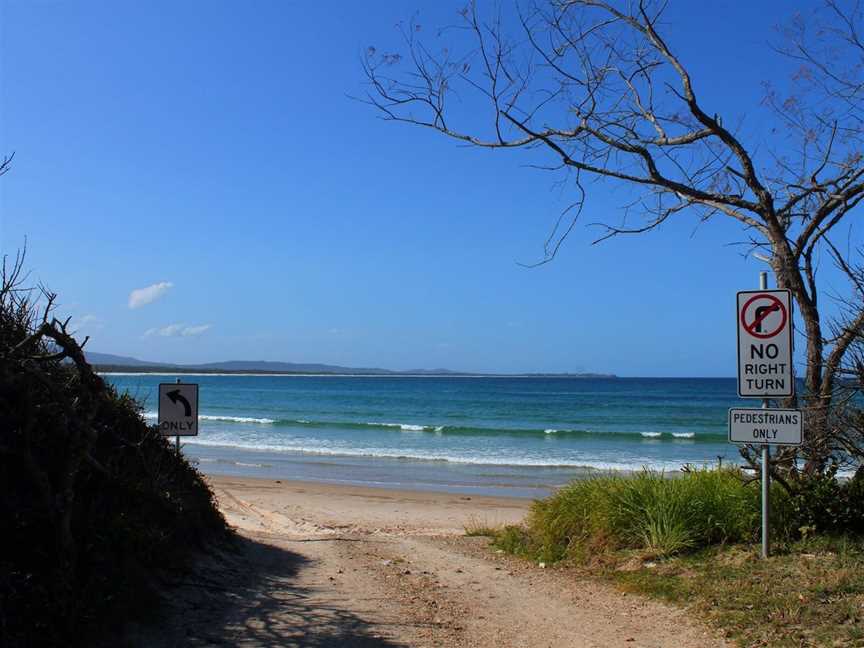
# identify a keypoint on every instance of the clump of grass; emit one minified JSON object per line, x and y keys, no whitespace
{"x":513,"y":539}
{"x":648,"y":511}
{"x":475,"y":527}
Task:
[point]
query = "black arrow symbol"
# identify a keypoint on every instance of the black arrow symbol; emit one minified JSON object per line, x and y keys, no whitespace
{"x":175,"y":396}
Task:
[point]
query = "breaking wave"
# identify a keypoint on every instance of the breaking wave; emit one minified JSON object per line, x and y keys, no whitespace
{"x":456,"y":430}
{"x":219,"y":417}
{"x":444,"y":457}
{"x":462,"y":430}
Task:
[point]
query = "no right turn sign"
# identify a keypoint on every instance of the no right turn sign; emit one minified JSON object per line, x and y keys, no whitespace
{"x":765,"y":344}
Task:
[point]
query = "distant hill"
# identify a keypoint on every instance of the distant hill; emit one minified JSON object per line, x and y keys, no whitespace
{"x":109,"y":359}
{"x":109,"y":362}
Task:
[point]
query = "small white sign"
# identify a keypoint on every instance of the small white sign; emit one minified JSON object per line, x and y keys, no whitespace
{"x":178,"y":409}
{"x":765,"y":426}
{"x":765,"y":344}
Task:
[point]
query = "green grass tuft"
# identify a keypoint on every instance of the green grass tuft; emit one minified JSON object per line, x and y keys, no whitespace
{"x":649,"y":511}
{"x":475,"y":527}
{"x":513,"y":539}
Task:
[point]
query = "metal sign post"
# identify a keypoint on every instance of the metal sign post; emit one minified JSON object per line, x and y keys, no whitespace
{"x":764,"y":323}
{"x":766,"y":458}
{"x":177,"y":438}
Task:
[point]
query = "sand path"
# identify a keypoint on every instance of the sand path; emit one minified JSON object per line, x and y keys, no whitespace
{"x":332,"y":566}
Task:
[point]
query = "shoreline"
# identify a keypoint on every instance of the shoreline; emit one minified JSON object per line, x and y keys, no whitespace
{"x":378,"y":507}
{"x":383,"y":473}
{"x":417,"y":475}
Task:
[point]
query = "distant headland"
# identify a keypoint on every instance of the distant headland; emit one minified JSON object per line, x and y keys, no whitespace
{"x":109,"y":363}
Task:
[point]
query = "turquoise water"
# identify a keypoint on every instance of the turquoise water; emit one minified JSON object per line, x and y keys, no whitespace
{"x":532,"y":432}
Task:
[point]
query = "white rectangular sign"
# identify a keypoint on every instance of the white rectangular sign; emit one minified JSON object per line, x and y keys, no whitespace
{"x":764,"y":320}
{"x":765,"y":426}
{"x":178,"y":409}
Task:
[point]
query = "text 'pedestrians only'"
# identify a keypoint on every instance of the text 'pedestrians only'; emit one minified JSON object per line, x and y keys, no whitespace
{"x":765,"y":426}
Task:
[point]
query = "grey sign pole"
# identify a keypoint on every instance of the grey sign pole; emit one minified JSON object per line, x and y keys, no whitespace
{"x":177,"y":439}
{"x":766,"y":458}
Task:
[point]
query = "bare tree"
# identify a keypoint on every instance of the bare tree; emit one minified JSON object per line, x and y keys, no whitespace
{"x":596,"y":87}
{"x":6,"y":164}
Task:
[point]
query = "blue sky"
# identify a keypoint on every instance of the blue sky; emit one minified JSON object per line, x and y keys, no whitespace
{"x":208,"y":152}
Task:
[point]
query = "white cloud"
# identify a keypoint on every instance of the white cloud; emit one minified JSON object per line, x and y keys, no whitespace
{"x":190,"y":331}
{"x":86,"y":321}
{"x":178,"y":330}
{"x":166,"y":331}
{"x":142,"y":296}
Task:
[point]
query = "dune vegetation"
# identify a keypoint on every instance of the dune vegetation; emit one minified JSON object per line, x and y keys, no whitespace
{"x":95,"y":504}
{"x":664,"y":516}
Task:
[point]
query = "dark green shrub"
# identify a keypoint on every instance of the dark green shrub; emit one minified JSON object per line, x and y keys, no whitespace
{"x":824,"y":504}
{"x":93,"y":501}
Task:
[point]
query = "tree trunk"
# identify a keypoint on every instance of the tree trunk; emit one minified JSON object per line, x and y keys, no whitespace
{"x":817,"y":403}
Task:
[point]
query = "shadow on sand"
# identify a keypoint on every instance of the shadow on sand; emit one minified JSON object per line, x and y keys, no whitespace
{"x":249,"y":596}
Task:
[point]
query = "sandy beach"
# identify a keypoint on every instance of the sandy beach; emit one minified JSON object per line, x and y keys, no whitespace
{"x":325,"y":565}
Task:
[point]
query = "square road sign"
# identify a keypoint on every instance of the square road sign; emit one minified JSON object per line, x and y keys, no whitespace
{"x":178,"y":409}
{"x":764,"y":323}
{"x":765,"y":426}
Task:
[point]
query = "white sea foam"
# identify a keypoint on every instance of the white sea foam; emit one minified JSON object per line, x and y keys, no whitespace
{"x":407,"y":427}
{"x":234,"y":419}
{"x":216,"y":417}
{"x":651,"y":435}
{"x":380,"y":453}
{"x":683,"y":435}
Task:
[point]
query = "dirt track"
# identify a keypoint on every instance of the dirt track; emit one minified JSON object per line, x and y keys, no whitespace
{"x":325,"y":566}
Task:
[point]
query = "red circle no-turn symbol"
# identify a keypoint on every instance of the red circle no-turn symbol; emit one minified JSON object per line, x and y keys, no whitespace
{"x":756,"y":313}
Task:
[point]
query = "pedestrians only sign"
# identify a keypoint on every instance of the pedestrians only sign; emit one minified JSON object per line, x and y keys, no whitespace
{"x":178,"y":409}
{"x":765,"y":426}
{"x":765,"y":344}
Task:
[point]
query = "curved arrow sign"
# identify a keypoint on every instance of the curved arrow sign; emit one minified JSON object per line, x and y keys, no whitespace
{"x":178,"y":409}
{"x":177,"y":396}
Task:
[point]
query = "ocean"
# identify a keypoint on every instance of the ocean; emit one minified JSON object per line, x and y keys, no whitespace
{"x":519,"y":436}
